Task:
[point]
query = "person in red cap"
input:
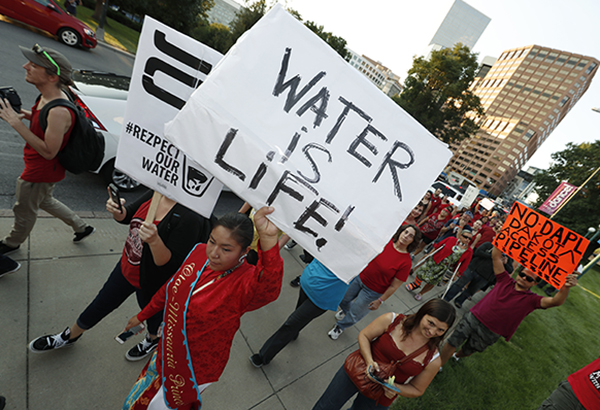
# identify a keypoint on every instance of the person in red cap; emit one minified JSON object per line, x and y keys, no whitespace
{"x":50,"y":72}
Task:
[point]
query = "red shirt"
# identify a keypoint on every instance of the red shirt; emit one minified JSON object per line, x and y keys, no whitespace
{"x":487,"y":235}
{"x":132,"y":251}
{"x":37,"y":168}
{"x":432,"y":226}
{"x":214,"y":313}
{"x":586,"y":385}
{"x":381,"y":271}
{"x":503,"y":309}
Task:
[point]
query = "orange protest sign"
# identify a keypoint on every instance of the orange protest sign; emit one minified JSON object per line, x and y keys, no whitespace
{"x":548,"y":249}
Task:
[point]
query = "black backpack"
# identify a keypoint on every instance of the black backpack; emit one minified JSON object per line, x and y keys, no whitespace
{"x":85,"y":149}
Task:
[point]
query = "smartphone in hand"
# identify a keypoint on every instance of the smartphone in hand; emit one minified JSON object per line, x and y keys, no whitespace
{"x":121,"y":338}
{"x":114,"y":195}
{"x":382,"y":381}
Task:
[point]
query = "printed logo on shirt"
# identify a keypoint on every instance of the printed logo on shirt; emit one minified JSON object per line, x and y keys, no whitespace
{"x":133,"y":244}
{"x":595,"y":379}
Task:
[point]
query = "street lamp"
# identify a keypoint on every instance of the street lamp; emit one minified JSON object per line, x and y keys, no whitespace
{"x":591,"y":230}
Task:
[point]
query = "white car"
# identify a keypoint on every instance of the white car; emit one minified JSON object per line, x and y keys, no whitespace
{"x":103,"y":96}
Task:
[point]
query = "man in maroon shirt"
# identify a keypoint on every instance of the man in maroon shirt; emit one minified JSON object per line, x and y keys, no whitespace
{"x":501,"y":311}
{"x":49,"y":71}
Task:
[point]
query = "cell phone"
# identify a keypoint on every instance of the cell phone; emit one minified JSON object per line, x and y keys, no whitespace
{"x":114,"y":195}
{"x":121,"y":338}
{"x":382,"y":381}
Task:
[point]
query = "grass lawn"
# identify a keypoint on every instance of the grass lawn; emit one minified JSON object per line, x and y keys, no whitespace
{"x":548,"y":346}
{"x":115,"y":34}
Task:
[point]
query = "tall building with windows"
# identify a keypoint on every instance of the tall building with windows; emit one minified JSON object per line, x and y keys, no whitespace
{"x":463,"y":24}
{"x":377,"y":73}
{"x":223,"y":12}
{"x":525,"y":95}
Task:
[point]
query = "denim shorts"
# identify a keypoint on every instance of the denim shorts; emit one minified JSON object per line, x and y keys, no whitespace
{"x":475,"y":336}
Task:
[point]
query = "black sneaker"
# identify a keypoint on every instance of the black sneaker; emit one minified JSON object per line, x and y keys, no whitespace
{"x":5,"y":249}
{"x":7,"y":265}
{"x":80,"y":236}
{"x":256,"y":360}
{"x":295,"y":282}
{"x":50,"y":342}
{"x":142,"y":349}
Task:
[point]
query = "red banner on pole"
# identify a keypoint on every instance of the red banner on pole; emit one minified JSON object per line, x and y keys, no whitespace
{"x":558,"y":197}
{"x":548,"y":249}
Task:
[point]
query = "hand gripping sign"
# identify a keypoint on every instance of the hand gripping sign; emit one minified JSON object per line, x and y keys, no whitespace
{"x":548,"y":249}
{"x":168,"y":67}
{"x":284,"y":121}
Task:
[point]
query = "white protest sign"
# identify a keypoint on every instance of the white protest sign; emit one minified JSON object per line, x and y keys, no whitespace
{"x":288,"y":123}
{"x":486,"y":203}
{"x":469,"y":196}
{"x":168,"y":68}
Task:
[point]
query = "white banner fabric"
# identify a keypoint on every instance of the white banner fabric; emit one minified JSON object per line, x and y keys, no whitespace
{"x":284,"y":121}
{"x":168,"y":68}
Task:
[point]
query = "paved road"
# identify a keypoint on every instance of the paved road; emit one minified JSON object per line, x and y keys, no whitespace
{"x":85,"y":192}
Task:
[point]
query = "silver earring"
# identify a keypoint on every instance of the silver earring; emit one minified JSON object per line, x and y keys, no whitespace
{"x":241,"y":259}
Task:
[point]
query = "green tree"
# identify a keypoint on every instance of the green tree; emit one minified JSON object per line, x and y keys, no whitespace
{"x":436,"y":93}
{"x":214,"y":35}
{"x":574,"y":164}
{"x":249,"y":15}
{"x":337,"y":43}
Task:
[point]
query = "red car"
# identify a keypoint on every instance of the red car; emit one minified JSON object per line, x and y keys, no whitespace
{"x":48,"y":16}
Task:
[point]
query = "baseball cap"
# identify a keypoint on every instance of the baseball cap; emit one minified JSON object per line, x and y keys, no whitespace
{"x":469,"y":213}
{"x":51,"y":59}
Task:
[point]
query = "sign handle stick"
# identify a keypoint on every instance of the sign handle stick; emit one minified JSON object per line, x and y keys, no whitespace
{"x":153,"y":207}
{"x":426,"y":257}
{"x":450,"y":281}
{"x":574,"y":193}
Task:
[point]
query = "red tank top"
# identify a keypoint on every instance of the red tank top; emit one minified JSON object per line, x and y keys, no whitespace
{"x":37,"y":168}
{"x":384,"y":350}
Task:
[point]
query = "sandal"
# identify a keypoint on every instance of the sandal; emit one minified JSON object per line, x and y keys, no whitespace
{"x":418,"y":297}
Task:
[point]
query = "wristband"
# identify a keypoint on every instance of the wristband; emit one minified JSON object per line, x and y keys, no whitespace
{"x":379,"y":299}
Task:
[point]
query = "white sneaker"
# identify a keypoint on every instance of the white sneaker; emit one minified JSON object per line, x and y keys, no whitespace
{"x":335,"y":332}
{"x":339,"y":315}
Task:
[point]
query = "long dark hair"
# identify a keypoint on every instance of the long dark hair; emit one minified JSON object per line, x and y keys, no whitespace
{"x":439,"y":309}
{"x":240,"y":226}
{"x":413,"y":245}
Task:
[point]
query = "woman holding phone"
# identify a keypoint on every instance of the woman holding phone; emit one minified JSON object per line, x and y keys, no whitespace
{"x":152,"y":253}
{"x":391,"y":338}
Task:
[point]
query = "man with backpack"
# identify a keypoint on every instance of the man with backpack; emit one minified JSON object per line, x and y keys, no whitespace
{"x":49,"y":71}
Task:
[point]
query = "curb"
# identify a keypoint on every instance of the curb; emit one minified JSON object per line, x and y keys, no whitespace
{"x":8,"y":213}
{"x":103,"y":43}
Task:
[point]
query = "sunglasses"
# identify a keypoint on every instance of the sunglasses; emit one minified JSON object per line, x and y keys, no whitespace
{"x":527,"y":278}
{"x":39,"y":50}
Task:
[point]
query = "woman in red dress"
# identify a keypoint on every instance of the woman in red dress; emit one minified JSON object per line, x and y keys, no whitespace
{"x":203,"y":304}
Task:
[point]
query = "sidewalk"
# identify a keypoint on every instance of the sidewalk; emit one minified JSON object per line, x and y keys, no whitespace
{"x":59,"y":278}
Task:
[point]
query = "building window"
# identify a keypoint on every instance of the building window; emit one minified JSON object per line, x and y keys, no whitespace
{"x":528,"y":135}
{"x":590,"y":68}
{"x":563,"y":101}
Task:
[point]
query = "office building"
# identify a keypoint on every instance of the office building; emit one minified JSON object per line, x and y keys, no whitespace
{"x":525,"y":95}
{"x":463,"y":24}
{"x":223,"y":12}
{"x":377,"y":73}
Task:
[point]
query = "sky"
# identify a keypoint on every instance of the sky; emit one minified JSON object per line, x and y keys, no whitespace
{"x":393,"y":31}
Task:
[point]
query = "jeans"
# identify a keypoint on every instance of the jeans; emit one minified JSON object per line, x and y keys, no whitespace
{"x":115,"y":291}
{"x":340,"y":390}
{"x":356,"y":303}
{"x":305,"y":312}
{"x":475,"y":282}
